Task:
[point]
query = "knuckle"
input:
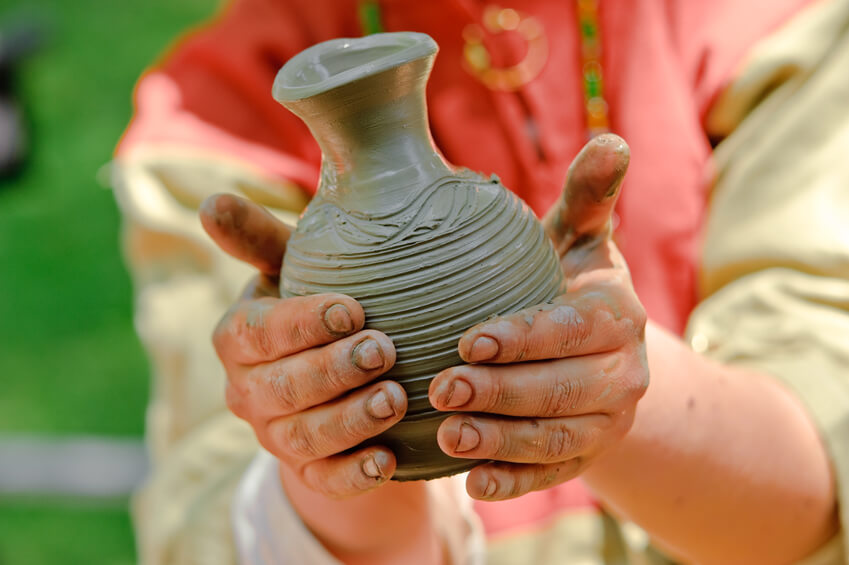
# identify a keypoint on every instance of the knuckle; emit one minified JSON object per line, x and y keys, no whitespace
{"x":501,"y":447}
{"x":511,"y":332}
{"x":323,"y":487}
{"x":641,"y":318}
{"x":573,"y":331}
{"x":492,"y":392}
{"x":357,"y":425}
{"x":245,"y":328}
{"x":259,"y":340}
{"x":283,"y":392}
{"x":636,"y":379}
{"x":509,"y":480}
{"x":313,"y":474}
{"x":546,"y":476}
{"x":329,"y":371}
{"x":337,"y":481}
{"x":327,"y":379}
{"x":299,"y":331}
{"x":645,"y":381}
{"x":297,"y":441}
{"x":621,"y":423}
{"x":557,"y":442}
{"x":625,"y":377}
{"x":640,"y":384}
{"x":335,"y":381}
{"x":495,"y":393}
{"x":524,"y":344}
{"x":561,"y":398}
{"x":245,"y":338}
{"x":513,"y":488}
{"x":518,"y":484}
{"x":635,"y":319}
{"x":234,"y":400}
{"x":223,"y":330}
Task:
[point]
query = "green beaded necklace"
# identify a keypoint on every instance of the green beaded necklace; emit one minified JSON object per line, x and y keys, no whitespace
{"x":370,"y":21}
{"x":595,"y":107}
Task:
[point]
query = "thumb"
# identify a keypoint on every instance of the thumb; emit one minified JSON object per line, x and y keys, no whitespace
{"x":245,"y":230}
{"x":592,"y":188}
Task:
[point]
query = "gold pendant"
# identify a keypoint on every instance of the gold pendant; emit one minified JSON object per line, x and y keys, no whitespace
{"x":476,"y":57}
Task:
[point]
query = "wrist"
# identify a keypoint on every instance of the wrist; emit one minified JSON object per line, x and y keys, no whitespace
{"x":722,"y":449}
{"x":389,"y":524}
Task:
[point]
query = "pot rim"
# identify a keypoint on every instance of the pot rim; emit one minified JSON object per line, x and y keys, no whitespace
{"x":293,"y":80}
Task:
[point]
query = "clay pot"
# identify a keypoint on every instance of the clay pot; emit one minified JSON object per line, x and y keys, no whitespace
{"x":427,"y":249}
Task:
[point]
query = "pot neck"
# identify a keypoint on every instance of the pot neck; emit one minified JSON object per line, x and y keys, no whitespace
{"x":373,"y":133}
{"x":377,"y":143}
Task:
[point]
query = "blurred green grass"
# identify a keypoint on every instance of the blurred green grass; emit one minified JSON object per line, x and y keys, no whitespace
{"x":65,"y":534}
{"x":69,"y":360}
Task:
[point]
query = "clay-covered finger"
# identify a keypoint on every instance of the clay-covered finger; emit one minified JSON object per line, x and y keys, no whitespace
{"x":334,"y":427}
{"x":501,"y":481}
{"x":520,"y":440}
{"x":595,"y":319}
{"x":245,"y":230}
{"x":266,"y":329}
{"x":314,"y":376}
{"x":590,"y":192}
{"x":342,"y":476}
{"x":600,"y":383}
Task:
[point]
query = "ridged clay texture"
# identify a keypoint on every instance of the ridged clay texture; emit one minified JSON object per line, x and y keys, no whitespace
{"x":428,"y":250}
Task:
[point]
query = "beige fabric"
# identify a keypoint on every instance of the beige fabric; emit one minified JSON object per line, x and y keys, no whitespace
{"x":184,"y":284}
{"x":577,"y":538}
{"x":269,"y":531}
{"x":775,"y":284}
{"x":775,"y":270}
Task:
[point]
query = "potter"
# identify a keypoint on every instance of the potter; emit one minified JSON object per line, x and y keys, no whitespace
{"x":428,"y":250}
{"x":721,"y":464}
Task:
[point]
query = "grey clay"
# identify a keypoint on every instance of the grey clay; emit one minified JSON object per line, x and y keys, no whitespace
{"x":427,"y":249}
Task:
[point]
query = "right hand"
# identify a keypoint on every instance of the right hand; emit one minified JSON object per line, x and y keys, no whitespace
{"x":299,"y":370}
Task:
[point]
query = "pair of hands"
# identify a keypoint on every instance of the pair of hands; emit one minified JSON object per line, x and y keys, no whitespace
{"x":546,"y":390}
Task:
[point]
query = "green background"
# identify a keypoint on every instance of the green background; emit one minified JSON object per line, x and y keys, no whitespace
{"x":69,"y":360}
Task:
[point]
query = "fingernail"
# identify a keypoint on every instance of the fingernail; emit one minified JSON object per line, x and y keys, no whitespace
{"x":367,"y":355}
{"x":459,"y":394}
{"x":613,"y":187}
{"x":491,"y":487}
{"x":469,"y":438}
{"x":371,"y":468}
{"x":337,"y":320}
{"x":208,"y":206}
{"x":379,"y":406}
{"x":483,"y":349}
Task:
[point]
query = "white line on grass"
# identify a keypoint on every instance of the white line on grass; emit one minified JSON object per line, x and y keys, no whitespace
{"x":86,"y":466}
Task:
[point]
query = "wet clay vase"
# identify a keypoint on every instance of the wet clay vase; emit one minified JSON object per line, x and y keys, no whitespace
{"x":427,"y":249}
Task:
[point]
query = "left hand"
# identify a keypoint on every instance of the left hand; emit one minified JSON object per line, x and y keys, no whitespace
{"x":549,"y":388}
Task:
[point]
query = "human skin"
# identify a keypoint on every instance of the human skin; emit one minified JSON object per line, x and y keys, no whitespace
{"x":719,"y":465}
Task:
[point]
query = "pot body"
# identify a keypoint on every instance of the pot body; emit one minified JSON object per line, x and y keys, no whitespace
{"x":428,"y":250}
